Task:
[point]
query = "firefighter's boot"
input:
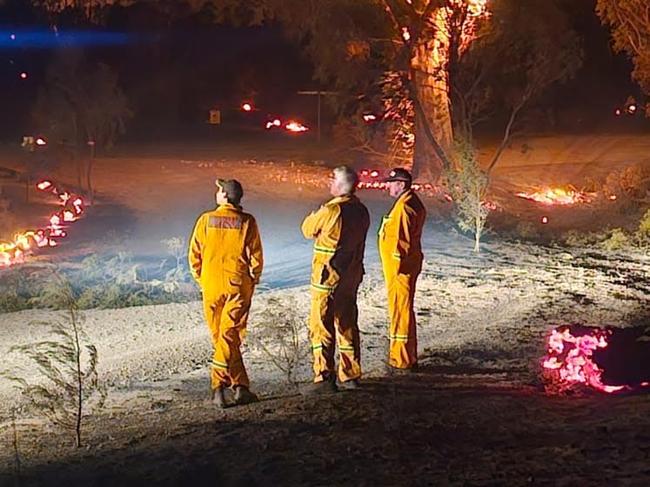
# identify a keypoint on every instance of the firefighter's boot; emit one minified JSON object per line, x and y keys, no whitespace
{"x":327,"y":386}
{"x":218,"y":398}
{"x":350,"y":385}
{"x":244,"y":396}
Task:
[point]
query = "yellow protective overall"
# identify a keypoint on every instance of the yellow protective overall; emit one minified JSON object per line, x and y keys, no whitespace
{"x":225,"y":256}
{"x":339,"y":229}
{"x":401,"y":258}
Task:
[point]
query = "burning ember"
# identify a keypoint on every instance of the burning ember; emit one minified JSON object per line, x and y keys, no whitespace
{"x":295,"y":127}
{"x":72,"y":207}
{"x":370,"y":179}
{"x":582,"y":356}
{"x":558,"y":196}
{"x":273,"y":123}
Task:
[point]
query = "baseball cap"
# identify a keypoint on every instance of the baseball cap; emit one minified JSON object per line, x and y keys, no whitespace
{"x":398,"y":174}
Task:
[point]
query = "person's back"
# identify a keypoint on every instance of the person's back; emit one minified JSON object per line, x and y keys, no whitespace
{"x":226,"y":254}
{"x":355,"y":221}
{"x":414,"y":206}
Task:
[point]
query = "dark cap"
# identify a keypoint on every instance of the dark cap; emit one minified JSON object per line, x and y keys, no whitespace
{"x":232,"y":188}
{"x":399,"y":174}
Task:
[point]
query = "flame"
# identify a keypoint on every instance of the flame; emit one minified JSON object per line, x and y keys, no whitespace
{"x":293,"y":126}
{"x":557,"y":196}
{"x":275,"y":123}
{"x":373,"y":174}
{"x":569,"y":360}
{"x":477,"y":8}
{"x":72,"y":207}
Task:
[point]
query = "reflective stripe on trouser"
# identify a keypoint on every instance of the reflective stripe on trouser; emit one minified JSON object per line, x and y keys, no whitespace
{"x":334,"y":316}
{"x":226,"y":316}
{"x":402,"y":329}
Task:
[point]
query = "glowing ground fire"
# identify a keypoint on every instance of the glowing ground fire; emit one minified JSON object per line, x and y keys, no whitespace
{"x":293,"y":126}
{"x":25,"y":243}
{"x":557,"y":196}
{"x":570,"y":361}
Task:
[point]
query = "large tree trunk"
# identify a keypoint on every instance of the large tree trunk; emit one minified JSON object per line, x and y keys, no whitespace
{"x":429,"y":65}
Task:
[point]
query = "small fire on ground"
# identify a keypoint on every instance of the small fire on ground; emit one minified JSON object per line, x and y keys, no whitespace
{"x":602,"y":359}
{"x":558,"y":196}
{"x":26,"y":243}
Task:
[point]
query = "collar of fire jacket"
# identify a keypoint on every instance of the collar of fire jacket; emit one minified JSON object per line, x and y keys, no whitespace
{"x":401,"y":198}
{"x":341,"y":199}
{"x":229,"y":206}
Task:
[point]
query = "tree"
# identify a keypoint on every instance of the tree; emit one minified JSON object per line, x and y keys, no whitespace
{"x":81,"y":106}
{"x":629,"y":21}
{"x":428,"y":49}
{"x":68,"y":388}
{"x":468,"y":185}
{"x":81,"y":102}
{"x":528,"y":47}
{"x":376,"y":37}
{"x":539,"y":53}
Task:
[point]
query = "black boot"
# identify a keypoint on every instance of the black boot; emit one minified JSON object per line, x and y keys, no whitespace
{"x":244,"y":396}
{"x":350,"y":385}
{"x":326,"y":386}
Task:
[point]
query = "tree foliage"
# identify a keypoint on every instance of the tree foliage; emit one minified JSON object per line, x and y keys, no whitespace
{"x":527,"y":47}
{"x":629,"y":21}
{"x":81,"y":102}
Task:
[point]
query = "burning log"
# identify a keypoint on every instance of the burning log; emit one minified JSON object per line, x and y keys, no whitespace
{"x":610,"y":360}
{"x":25,"y":243}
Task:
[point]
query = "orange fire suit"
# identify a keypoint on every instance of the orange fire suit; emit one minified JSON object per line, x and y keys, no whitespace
{"x":401,"y":258}
{"x":225,"y":256}
{"x":339,"y":229}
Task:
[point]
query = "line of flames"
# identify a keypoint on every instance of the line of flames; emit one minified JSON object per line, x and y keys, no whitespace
{"x":426,"y":187}
{"x":25,"y":243}
{"x":569,"y":360}
{"x":558,"y":196}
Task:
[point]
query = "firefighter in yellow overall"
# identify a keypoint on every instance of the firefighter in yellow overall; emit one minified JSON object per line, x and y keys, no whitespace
{"x":225,"y":257}
{"x":339,"y":231}
{"x":400,"y":251}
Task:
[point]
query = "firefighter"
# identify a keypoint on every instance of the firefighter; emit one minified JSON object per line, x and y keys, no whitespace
{"x":339,"y":230}
{"x":225,"y":257}
{"x":400,"y":251}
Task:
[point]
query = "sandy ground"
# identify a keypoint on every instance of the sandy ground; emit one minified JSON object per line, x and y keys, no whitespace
{"x":475,"y":414}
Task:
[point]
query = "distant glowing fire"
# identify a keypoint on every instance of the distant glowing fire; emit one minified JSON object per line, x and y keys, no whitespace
{"x":25,"y":243}
{"x":579,"y":357}
{"x":293,"y":126}
{"x":558,"y":196}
